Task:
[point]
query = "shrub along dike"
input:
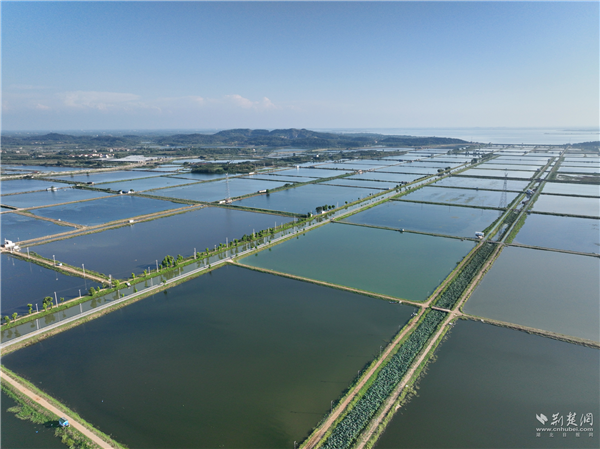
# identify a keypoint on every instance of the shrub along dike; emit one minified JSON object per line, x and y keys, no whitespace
{"x":349,"y":428}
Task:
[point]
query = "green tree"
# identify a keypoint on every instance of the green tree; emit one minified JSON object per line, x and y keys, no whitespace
{"x":92,"y":291}
{"x":30,"y":308}
{"x":62,"y":299}
{"x":132,"y":275}
{"x":14,"y":316}
{"x":7,"y":319}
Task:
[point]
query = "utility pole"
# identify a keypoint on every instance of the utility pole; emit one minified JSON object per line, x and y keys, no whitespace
{"x":83,"y":266}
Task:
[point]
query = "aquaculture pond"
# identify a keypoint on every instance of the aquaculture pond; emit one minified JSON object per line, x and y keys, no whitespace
{"x":472,"y":183}
{"x":352,"y":166}
{"x":41,"y":168}
{"x":520,"y":174}
{"x":146,"y":183}
{"x":468,"y":197}
{"x":547,"y":290}
{"x":109,"y":176}
{"x":36,"y":199}
{"x":450,"y":220}
{"x":564,"y":188}
{"x":27,"y":185}
{"x":361,"y":183}
{"x":140,"y":245}
{"x":555,"y":231}
{"x":579,"y":169}
{"x":314,"y":172}
{"x":25,"y":283}
{"x":508,"y":167}
{"x":487,"y":386}
{"x":17,"y":227}
{"x":402,"y":265}
{"x":198,"y":176}
{"x":280,"y":178}
{"x":306,"y":198}
{"x":387,"y":177}
{"x":105,"y":210}
{"x":568,"y":205}
{"x":255,"y":361}
{"x":408,"y":169}
{"x":23,"y":434}
{"x":218,"y":190}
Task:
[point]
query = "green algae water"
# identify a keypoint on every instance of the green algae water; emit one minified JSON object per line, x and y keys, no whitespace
{"x":235,"y":359}
{"x":487,"y":386}
{"x":546,"y":290}
{"x":403,"y":265}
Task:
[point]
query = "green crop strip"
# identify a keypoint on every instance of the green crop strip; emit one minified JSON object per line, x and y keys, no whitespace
{"x":455,"y":289}
{"x":346,"y":432}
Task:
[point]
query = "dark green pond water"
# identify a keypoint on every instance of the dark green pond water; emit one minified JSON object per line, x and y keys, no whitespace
{"x":104,"y":210}
{"x":569,"y":205}
{"x":18,"y":227}
{"x":402,"y":265}
{"x":546,"y":290}
{"x":134,"y":248}
{"x":27,"y":283}
{"x":466,"y":197}
{"x":35,"y":199}
{"x":236,"y":359}
{"x":27,"y":185}
{"x":450,"y":220}
{"x":19,"y":434}
{"x":554,"y":231}
{"x":487,"y":386}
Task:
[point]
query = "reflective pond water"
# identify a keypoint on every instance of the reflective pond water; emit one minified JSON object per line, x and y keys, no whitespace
{"x":509,"y":168}
{"x":487,"y":386}
{"x":35,"y":199}
{"x":521,"y":174}
{"x":104,"y":210}
{"x":361,"y":183}
{"x":450,"y":220}
{"x":254,"y":361}
{"x":314,"y":172}
{"x":17,"y":227}
{"x":482,"y":198}
{"x":138,"y":246}
{"x":28,"y":185}
{"x":572,"y":189}
{"x":554,"y":231}
{"x":404,"y":168}
{"x":493,"y":184}
{"x":107,"y":176}
{"x":306,"y":198}
{"x":28,"y":283}
{"x":567,"y":169}
{"x":405,"y":265}
{"x":146,"y":183}
{"x":547,"y":290}
{"x":351,"y":166}
{"x":569,"y":205}
{"x":388,"y":177}
{"x":218,"y":190}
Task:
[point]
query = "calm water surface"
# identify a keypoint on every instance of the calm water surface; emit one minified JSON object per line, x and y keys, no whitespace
{"x":27,"y":283}
{"x":388,"y":177}
{"x":522,"y":174}
{"x":450,"y":220}
{"x":553,"y":231}
{"x":135,"y":248}
{"x":104,"y":210}
{"x":27,"y":185}
{"x":482,"y":198}
{"x":546,"y":290}
{"x":572,"y":189}
{"x":244,"y":360}
{"x":405,"y":265}
{"x":567,"y":205}
{"x":107,"y":176}
{"x":17,"y":227}
{"x":146,"y":183}
{"x":218,"y":190}
{"x":493,"y":184}
{"x":361,"y":183}
{"x":35,"y":199}
{"x":487,"y":386}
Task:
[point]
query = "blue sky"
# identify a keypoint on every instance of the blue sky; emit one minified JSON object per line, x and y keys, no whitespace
{"x":200,"y":65}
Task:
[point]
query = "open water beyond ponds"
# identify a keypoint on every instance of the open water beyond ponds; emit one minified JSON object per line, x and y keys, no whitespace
{"x":473,"y":183}
{"x":25,"y":283}
{"x":136,"y":247}
{"x":554,"y":231}
{"x":487,"y":386}
{"x":104,"y":210}
{"x":567,"y":205}
{"x":35,"y":199}
{"x":17,"y":227}
{"x":546,"y":290}
{"x":307,"y":198}
{"x":402,"y":265}
{"x":466,"y":197}
{"x":245,"y":359}
{"x":449,"y":220}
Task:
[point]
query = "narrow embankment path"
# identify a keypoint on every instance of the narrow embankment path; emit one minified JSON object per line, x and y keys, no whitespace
{"x":41,"y":401}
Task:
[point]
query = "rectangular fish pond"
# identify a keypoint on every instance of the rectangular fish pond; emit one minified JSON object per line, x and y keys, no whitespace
{"x":307,"y":198}
{"x":107,"y":176}
{"x":139,"y":245}
{"x":487,"y":386}
{"x":402,"y":265}
{"x":466,"y":197}
{"x":105,"y":210}
{"x":28,"y":185}
{"x":19,"y":227}
{"x":36,"y":199}
{"x":245,"y":359}
{"x":138,"y":185}
{"x":520,"y":174}
{"x":546,"y":290}
{"x":386,"y":177}
{"x":565,"y":188}
{"x":432,"y":218}
{"x":567,"y":205}
{"x":481,"y":183}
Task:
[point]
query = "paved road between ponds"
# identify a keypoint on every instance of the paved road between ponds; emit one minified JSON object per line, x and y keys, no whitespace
{"x":39,"y":400}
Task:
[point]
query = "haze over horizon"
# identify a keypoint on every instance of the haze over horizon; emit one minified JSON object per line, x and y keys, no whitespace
{"x":315,"y":65}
